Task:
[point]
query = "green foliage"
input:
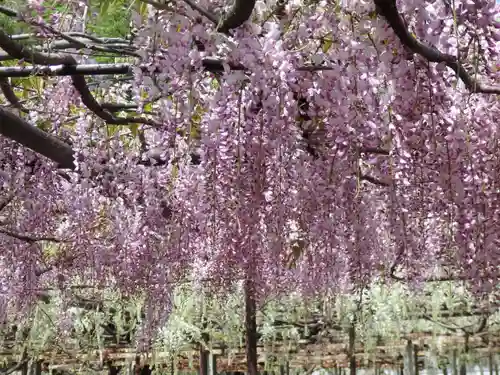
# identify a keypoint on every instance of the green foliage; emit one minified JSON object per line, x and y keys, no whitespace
{"x":385,"y":314}
{"x":110,"y":18}
{"x":11,"y":25}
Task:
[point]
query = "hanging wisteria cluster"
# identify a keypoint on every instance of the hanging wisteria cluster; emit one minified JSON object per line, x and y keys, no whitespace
{"x":304,"y":145}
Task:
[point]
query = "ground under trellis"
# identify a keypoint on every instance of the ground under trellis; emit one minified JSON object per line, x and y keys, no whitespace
{"x":328,"y":355}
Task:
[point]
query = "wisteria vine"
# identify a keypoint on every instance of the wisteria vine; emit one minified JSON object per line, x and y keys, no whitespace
{"x":302,"y":145}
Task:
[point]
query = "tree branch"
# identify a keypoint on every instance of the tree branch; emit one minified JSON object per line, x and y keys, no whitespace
{"x":65,"y":261}
{"x":430,"y":279}
{"x":65,"y":70}
{"x":482,"y":325}
{"x":19,"y":130}
{"x":18,"y":366}
{"x":29,"y":239}
{"x":33,"y":37}
{"x":374,"y":180}
{"x":73,"y":42}
{"x":445,"y":326}
{"x":239,"y":13}
{"x":5,"y":202}
{"x":209,"y":64}
{"x":80,"y":43}
{"x":374,"y":150}
{"x":237,"y":16}
{"x":53,"y":148}
{"x":10,"y":95}
{"x":76,"y":301}
{"x":21,"y":52}
{"x":388,"y":9}
{"x":71,"y":39}
{"x":7,"y":11}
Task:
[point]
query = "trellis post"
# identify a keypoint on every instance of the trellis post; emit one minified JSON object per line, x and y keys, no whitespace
{"x":36,"y":367}
{"x":409,"y":359}
{"x":454,"y":362}
{"x":212,"y":364}
{"x":285,"y":369}
{"x":463,"y":361}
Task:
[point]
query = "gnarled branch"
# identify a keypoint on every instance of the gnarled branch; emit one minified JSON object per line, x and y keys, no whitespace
{"x":18,"y":366}
{"x":28,"y":238}
{"x":237,"y":16}
{"x":65,"y":70}
{"x":10,"y":95}
{"x":388,"y":9}
{"x":209,"y":64}
{"x":239,"y":13}
{"x":5,"y":201}
{"x":374,"y":180}
{"x":19,"y":130}
{"x":21,"y":52}
{"x":53,"y":148}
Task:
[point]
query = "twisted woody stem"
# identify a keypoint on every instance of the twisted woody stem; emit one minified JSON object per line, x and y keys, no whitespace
{"x":239,"y":13}
{"x":19,"y":51}
{"x":388,"y":9}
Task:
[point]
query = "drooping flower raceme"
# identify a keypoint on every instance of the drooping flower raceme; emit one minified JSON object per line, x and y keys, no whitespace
{"x":335,"y":154}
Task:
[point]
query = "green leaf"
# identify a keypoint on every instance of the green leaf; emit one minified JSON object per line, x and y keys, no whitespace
{"x":143,"y":9}
{"x":134,"y":129}
{"x":326,"y":45}
{"x":105,"y":4}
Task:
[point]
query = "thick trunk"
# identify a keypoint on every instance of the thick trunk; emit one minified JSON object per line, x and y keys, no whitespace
{"x":204,"y":357}
{"x":415,"y":358}
{"x":351,"y":354}
{"x":251,"y":328}
{"x":409,"y":358}
{"x":454,"y":362}
{"x":36,"y":368}
{"x":284,"y":369}
{"x":203,"y":370}
{"x":463,"y":363}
